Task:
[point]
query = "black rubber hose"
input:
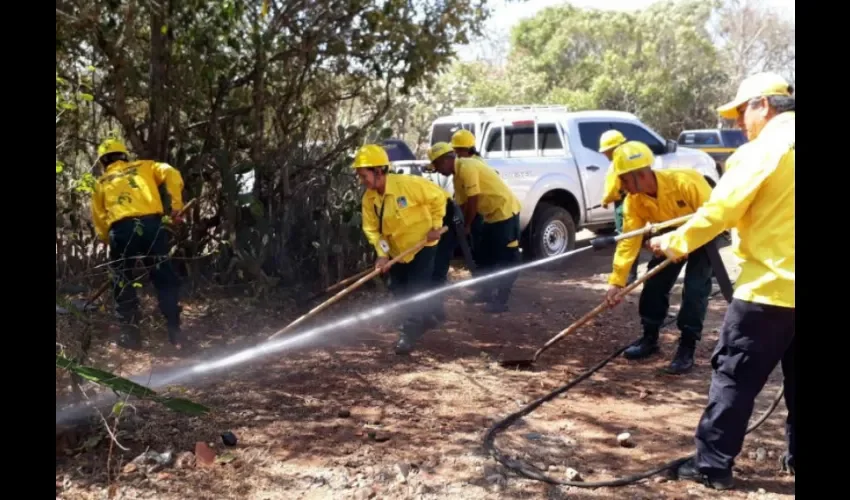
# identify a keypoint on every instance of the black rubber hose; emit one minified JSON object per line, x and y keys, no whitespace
{"x":532,"y":472}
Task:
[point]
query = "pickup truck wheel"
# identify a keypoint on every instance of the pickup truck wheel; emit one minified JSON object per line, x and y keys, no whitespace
{"x":554,"y":232}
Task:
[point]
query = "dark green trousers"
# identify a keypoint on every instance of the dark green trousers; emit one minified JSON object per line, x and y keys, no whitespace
{"x":655,"y":297}
{"x":492,"y":254}
{"x":143,"y":237}
{"x":409,"y":279}
{"x":618,"y":224}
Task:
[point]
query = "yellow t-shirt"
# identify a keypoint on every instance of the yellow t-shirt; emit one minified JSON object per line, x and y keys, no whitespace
{"x":473,"y":177}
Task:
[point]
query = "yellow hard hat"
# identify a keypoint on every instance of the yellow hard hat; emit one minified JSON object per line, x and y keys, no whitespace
{"x":610,"y":139}
{"x":632,"y":155}
{"x":438,"y":150}
{"x":758,"y":85}
{"x":370,"y":156}
{"x":463,"y":139}
{"x":111,"y":146}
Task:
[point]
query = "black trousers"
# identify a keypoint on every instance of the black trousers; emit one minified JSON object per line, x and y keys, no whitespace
{"x":754,"y":339}
{"x":655,"y":296}
{"x":142,"y":237}
{"x":409,"y":279}
{"x":446,"y":247}
{"x":492,"y":253}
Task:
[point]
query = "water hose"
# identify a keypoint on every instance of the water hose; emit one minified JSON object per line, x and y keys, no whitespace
{"x":528,"y":471}
{"x":531,"y":472}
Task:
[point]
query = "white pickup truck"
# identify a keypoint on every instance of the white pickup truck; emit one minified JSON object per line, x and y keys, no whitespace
{"x":548,"y":156}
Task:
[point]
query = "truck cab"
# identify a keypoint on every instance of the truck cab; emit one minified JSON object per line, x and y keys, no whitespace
{"x":549,"y":158}
{"x":717,"y":143}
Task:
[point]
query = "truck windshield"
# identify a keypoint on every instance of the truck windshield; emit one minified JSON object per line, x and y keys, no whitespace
{"x":442,"y":132}
{"x":733,"y":137}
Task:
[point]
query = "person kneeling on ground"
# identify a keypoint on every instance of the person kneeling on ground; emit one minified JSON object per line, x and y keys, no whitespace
{"x":480,"y":191}
{"x":127,"y":212}
{"x":398,"y":212}
{"x":656,"y":196}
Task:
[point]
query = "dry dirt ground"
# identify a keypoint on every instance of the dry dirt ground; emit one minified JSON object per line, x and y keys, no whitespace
{"x":344,"y":417}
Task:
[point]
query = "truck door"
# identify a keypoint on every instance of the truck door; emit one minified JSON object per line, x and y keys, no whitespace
{"x":593,"y":168}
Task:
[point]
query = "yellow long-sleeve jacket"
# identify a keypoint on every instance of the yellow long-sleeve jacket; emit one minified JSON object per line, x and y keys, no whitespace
{"x":132,"y":190}
{"x":755,"y":196}
{"x":409,"y":208}
{"x":680,"y":192}
{"x":612,"y":187}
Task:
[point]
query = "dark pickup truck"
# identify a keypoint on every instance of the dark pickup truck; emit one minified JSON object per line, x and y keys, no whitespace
{"x":718,"y":143}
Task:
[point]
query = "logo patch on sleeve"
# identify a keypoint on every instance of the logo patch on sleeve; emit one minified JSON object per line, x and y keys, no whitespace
{"x":401,"y":201}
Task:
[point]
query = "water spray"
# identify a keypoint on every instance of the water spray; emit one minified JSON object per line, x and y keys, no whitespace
{"x":299,"y":339}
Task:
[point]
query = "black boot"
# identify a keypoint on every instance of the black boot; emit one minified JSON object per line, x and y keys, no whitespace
{"x":406,"y":340}
{"x":404,"y":345}
{"x":786,"y":464}
{"x":683,"y":361}
{"x":644,"y":347}
{"x":175,"y":336}
{"x":499,"y":302}
{"x":130,"y":337}
{"x":439,"y":314}
{"x":717,"y":481}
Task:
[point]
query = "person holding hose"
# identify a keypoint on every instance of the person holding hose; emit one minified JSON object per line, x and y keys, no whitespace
{"x":480,"y":191}
{"x":398,"y":212}
{"x":127,"y":212}
{"x":755,"y":196}
{"x":608,"y":143}
{"x":657,"y":196}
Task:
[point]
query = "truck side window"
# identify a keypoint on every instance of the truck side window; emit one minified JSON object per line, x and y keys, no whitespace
{"x":521,"y":140}
{"x":704,"y":138}
{"x":636,"y":133}
{"x":548,"y":138}
{"x":590,"y":133}
{"x":494,"y":140}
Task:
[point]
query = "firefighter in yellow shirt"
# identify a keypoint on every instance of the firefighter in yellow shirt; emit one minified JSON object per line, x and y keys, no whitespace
{"x":398,"y":212}
{"x":755,"y":196}
{"x":127,"y":212}
{"x":609,"y":141}
{"x":480,"y":191}
{"x":657,"y":196}
{"x":463,"y":143}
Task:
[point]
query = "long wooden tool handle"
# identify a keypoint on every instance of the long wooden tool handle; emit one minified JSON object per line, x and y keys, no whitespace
{"x":348,"y":280}
{"x":339,"y":285}
{"x":97,"y":294}
{"x":324,"y":305}
{"x":187,"y":205}
{"x":601,"y":307}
